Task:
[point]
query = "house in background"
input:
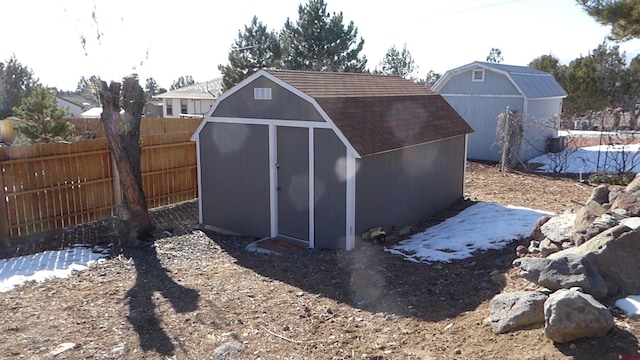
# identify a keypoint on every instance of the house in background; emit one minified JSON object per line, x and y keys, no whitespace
{"x":76,"y":104}
{"x":190,"y":101}
{"x":480,"y":91}
{"x":320,"y":157}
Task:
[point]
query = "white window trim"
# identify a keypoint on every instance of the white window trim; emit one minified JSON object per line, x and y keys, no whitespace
{"x":473,"y":75}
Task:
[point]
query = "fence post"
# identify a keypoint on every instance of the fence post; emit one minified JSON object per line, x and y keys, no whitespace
{"x":4,"y":212}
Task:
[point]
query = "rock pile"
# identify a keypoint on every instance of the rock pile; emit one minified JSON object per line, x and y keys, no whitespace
{"x":578,"y":258}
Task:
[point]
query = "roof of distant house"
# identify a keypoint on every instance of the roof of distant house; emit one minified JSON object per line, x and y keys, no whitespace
{"x":205,"y":90}
{"x":84,"y":102}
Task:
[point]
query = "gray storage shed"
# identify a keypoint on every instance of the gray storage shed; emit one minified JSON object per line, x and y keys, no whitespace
{"x":322,"y":157}
{"x":480,"y":91}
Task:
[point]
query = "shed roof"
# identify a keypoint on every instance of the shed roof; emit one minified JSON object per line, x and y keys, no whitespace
{"x":532,"y":83}
{"x":203,"y":90}
{"x":378,"y":113}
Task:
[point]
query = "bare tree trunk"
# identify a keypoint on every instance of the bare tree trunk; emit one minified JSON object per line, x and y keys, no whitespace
{"x":123,"y":136}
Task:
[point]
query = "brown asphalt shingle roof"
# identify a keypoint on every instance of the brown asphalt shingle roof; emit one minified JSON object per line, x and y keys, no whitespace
{"x":378,"y":113}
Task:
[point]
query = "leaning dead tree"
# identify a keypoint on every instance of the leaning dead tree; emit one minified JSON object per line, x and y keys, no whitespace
{"x":123,"y":136}
{"x":509,"y":133}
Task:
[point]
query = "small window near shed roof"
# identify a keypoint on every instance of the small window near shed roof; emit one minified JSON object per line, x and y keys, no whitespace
{"x":262,"y":93}
{"x":478,"y":75}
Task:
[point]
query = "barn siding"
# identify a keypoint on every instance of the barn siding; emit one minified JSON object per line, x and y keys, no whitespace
{"x":481,"y":114}
{"x":234,"y":165}
{"x":284,"y":105}
{"x":540,"y":125}
{"x":493,"y":84}
{"x":406,"y":186}
{"x":330,"y":190}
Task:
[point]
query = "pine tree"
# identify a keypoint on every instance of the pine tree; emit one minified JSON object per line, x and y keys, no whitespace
{"x":182,"y":82}
{"x":320,"y":42}
{"x":256,"y":48}
{"x":622,"y":15}
{"x":399,"y":63}
{"x":43,"y":121}
{"x":16,"y":82}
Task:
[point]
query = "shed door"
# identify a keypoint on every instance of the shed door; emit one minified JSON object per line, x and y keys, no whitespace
{"x":293,"y":182}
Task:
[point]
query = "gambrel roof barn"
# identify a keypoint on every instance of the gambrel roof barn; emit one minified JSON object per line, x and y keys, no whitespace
{"x":321,"y":157}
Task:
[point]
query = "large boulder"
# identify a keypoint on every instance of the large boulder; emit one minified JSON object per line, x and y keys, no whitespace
{"x":558,"y":228}
{"x":615,"y":253}
{"x":512,"y":311}
{"x":599,"y":224}
{"x":563,"y":272}
{"x":570,"y":315}
{"x":629,"y":199}
{"x":600,"y":194}
{"x":587,"y":214}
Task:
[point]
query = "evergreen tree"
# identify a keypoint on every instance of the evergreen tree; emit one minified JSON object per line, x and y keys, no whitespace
{"x":495,"y":55}
{"x":397,"y":62}
{"x":622,"y":15}
{"x":43,"y":121}
{"x":182,"y":82}
{"x":551,"y":65}
{"x":255,"y":49}
{"x":16,"y":82}
{"x":430,"y":80}
{"x":88,"y":88}
{"x":151,"y":87}
{"x":320,"y":42}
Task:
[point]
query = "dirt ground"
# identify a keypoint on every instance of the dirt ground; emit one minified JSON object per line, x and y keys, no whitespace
{"x":200,"y":295}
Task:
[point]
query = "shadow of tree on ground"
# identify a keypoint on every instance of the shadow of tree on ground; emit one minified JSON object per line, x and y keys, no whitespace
{"x":151,"y":277}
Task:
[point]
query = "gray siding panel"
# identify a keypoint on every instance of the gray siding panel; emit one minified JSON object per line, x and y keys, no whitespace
{"x":235,"y":177}
{"x":493,"y":84}
{"x":406,"y":186}
{"x":481,"y":114}
{"x":284,"y":104}
{"x":330,"y":190}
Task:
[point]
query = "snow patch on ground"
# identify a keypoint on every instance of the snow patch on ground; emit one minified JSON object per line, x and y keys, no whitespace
{"x":630,"y":305}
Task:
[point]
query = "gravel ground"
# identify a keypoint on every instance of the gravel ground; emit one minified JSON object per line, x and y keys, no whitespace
{"x":200,"y":295}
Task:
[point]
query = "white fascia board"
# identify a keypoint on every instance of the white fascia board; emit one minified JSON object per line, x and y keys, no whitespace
{"x":277,"y":122}
{"x":484,"y":95}
{"x":199,"y":174}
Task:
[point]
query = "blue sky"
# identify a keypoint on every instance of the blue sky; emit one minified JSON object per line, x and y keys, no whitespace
{"x":166,"y":40}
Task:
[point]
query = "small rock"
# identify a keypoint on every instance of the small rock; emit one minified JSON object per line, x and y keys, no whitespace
{"x":300,"y":293}
{"x":548,"y":247}
{"x":226,"y":351}
{"x":457,"y":351}
{"x":286,"y":328}
{"x":62,"y":348}
{"x":521,"y":251}
{"x":534,"y":247}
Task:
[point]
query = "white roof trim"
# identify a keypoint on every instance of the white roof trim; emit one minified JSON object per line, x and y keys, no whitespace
{"x":329,"y":123}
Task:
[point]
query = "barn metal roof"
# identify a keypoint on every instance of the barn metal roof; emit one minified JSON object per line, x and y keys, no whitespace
{"x":534,"y":84}
{"x":378,"y":113}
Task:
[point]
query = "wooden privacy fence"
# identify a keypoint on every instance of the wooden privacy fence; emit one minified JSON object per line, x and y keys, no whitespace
{"x":53,"y":186}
